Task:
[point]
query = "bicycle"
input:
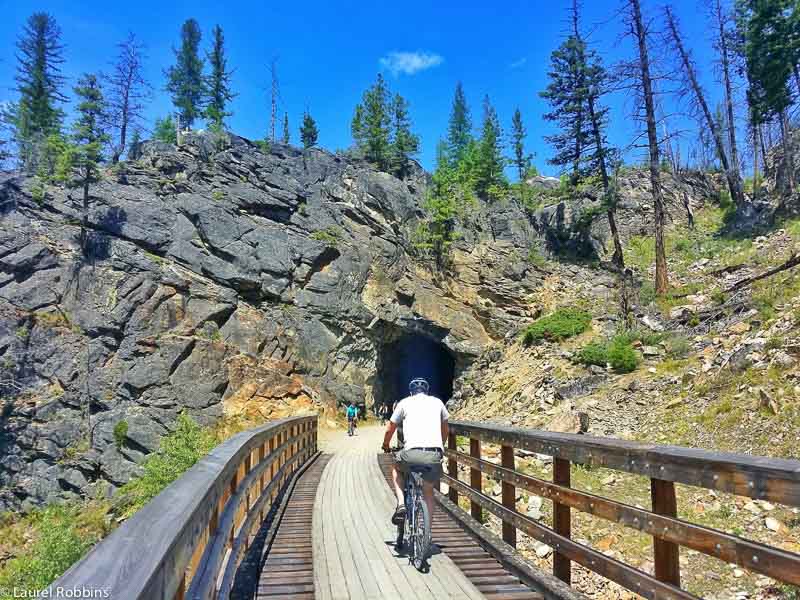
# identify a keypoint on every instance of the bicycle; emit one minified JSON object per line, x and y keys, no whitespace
{"x":416,"y":527}
{"x":351,"y":427}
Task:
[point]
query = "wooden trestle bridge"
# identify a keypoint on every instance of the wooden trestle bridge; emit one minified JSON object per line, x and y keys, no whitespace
{"x":268,"y":515}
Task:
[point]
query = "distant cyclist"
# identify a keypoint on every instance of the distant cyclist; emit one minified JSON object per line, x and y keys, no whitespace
{"x":352,"y":416}
{"x":424,"y":421}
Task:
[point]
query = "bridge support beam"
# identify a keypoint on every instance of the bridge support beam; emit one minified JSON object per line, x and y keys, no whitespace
{"x":475,"y":480}
{"x":509,"y":495}
{"x":562,"y":523}
{"x":452,"y":468}
{"x":665,"y":554}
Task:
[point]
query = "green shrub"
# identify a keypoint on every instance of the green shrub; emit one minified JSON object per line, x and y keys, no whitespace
{"x":330,"y":236}
{"x":38,"y":190}
{"x":177,"y":452}
{"x":58,"y":544}
{"x":561,"y":324}
{"x":593,"y":353}
{"x":218,"y":195}
{"x":622,"y":356}
{"x":120,"y":433}
{"x":536,"y":259}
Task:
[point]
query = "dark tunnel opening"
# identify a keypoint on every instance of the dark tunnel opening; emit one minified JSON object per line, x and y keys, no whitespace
{"x":410,"y":356}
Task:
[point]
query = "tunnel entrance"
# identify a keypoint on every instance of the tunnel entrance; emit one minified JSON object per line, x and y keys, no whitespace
{"x":409,"y":356}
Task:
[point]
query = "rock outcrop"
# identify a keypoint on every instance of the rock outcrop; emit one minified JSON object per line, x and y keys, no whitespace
{"x":226,"y":281}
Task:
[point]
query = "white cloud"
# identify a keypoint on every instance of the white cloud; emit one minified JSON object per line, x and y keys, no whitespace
{"x":519,"y":63}
{"x":409,"y":63}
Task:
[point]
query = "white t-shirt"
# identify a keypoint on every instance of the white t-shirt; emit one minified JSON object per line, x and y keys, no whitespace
{"x":421,"y":417}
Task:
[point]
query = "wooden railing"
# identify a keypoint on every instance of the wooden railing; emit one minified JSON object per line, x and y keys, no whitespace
{"x":775,"y":480}
{"x":188,"y":541}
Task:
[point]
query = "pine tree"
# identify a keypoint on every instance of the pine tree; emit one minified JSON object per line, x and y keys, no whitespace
{"x":372,"y":123}
{"x":134,"y":151}
{"x":566,"y":96}
{"x":39,"y":81}
{"x":128,"y":91}
{"x":89,"y":136}
{"x":285,"y":128}
{"x":357,"y":127}
{"x":218,"y":83}
{"x":459,"y":132}
{"x":770,"y":44}
{"x":185,"y":78}
{"x":308,"y":131}
{"x":521,"y":160}
{"x":490,"y":175}
{"x":404,"y":143}
{"x":165,"y":130}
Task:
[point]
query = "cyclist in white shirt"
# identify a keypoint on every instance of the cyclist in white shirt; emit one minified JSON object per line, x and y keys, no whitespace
{"x":424,"y":421}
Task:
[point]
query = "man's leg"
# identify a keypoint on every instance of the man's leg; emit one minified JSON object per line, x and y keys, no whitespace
{"x":397,"y":481}
{"x":427,"y":493}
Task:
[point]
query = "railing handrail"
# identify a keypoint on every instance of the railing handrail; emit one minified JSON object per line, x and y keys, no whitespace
{"x":147,"y":555}
{"x":765,"y":478}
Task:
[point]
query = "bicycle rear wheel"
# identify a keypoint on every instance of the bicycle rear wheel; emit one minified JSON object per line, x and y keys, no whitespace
{"x":421,"y":536}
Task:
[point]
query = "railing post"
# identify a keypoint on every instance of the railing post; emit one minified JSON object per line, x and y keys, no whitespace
{"x":452,"y":467}
{"x":509,"y":495}
{"x":561,"y":520}
{"x":475,"y":479}
{"x":665,"y":554}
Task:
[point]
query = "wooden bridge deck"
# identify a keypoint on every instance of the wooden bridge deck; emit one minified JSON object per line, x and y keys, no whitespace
{"x":353,"y":537}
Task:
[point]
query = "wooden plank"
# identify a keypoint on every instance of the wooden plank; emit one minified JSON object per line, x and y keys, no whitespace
{"x":625,"y":575}
{"x":774,"y":562}
{"x":562,"y":523}
{"x":509,"y":495}
{"x":452,"y":466}
{"x":475,"y":478}
{"x":774,"y":479}
{"x":665,"y":554}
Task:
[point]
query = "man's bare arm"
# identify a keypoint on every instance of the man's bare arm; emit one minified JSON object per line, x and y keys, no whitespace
{"x":445,"y":432}
{"x":387,"y":437}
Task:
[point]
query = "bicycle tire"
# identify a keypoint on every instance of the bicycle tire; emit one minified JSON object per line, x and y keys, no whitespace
{"x":421,"y":536}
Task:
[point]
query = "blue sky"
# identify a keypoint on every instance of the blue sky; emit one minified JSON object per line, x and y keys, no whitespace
{"x":329,"y":52}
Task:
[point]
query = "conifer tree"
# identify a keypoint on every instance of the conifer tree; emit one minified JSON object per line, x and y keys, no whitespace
{"x":490,"y":175}
{"x":371,"y":124}
{"x":218,"y":83}
{"x":88,"y":137}
{"x":518,"y":133}
{"x":566,"y":96}
{"x":128,"y":91}
{"x":308,"y":131}
{"x":404,"y":143}
{"x":185,"y":78}
{"x":459,"y":131}
{"x":285,"y":128}
{"x":37,"y":114}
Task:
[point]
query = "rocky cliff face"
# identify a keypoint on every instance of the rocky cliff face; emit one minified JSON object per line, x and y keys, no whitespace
{"x":230,"y":281}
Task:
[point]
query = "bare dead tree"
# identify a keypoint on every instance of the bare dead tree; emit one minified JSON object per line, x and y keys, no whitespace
{"x":640,"y":32}
{"x":723,"y":18}
{"x":273,"y":71}
{"x":128,"y":91}
{"x":694,"y":91}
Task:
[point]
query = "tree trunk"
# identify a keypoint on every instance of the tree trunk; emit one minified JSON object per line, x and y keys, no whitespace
{"x":755,"y":161}
{"x":788,"y":158}
{"x":661,"y":280}
{"x":617,"y":259}
{"x":726,"y":75}
{"x":731,"y":170}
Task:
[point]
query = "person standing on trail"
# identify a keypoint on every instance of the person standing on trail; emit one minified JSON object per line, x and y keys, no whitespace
{"x":424,"y":420}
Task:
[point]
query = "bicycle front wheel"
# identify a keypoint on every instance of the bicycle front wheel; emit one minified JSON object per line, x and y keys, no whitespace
{"x":421,"y":536}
